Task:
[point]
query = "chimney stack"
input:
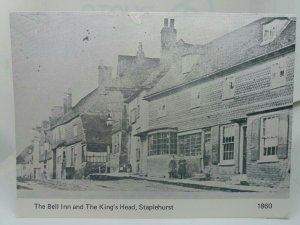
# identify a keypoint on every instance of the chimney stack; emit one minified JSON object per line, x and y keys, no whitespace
{"x":166,"y":22}
{"x":65,"y":104}
{"x":69,"y":100}
{"x":140,"y":53}
{"x":172,"y":23}
{"x":168,"y":41}
{"x":104,"y":76}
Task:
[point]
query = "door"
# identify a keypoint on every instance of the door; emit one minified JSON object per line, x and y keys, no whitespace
{"x":243,"y":150}
{"x":244,"y":168}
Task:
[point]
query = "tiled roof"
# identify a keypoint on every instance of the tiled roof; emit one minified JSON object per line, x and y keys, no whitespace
{"x":83,"y":104}
{"x":234,"y":48}
{"x":185,"y":47}
{"x":153,"y":78}
{"x":26,"y":155}
{"x":133,"y":71}
{"x":95,"y":129}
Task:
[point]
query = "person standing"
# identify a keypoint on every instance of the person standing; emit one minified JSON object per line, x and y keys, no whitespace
{"x":182,"y":167}
{"x":172,"y":167}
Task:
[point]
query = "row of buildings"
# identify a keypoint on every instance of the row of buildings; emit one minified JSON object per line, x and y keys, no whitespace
{"x":225,"y":106}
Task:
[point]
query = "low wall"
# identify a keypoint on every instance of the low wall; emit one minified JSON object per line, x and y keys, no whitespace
{"x":158,"y":165}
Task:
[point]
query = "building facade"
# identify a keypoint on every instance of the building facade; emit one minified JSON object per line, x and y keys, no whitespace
{"x":45,"y":153}
{"x":132,"y":74}
{"x":229,"y":112}
{"x":138,"y":111}
{"x":81,"y":142}
{"x":24,"y":164}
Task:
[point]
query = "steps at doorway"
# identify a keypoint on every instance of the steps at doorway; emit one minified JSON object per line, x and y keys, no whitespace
{"x":240,"y":179}
{"x":200,"y":177}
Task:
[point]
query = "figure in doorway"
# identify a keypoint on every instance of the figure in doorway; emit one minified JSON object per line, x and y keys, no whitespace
{"x":172,"y":167}
{"x":182,"y":167}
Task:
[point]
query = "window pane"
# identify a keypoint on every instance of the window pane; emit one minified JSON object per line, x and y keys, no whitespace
{"x":228,"y":142}
{"x":190,"y":144}
{"x":162,"y":143}
{"x":270,"y":135}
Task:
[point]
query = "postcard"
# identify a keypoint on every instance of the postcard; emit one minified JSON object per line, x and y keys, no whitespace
{"x":153,"y":115}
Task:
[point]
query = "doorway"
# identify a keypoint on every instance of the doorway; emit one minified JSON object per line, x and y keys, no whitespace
{"x":243,"y":150}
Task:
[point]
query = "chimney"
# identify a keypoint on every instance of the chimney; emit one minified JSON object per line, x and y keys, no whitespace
{"x":168,"y":41}
{"x":65,"y":104}
{"x":166,"y":22}
{"x":172,"y":23}
{"x":140,"y":53}
{"x":104,"y":76}
{"x":69,"y":100}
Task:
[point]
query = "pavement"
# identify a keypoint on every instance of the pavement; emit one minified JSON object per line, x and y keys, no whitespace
{"x":203,"y":184}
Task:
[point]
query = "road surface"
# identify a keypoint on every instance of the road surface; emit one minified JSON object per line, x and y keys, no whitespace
{"x":123,"y":189}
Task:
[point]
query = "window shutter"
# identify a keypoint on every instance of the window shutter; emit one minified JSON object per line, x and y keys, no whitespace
{"x":255,"y":139}
{"x":215,"y":144}
{"x":236,"y":143}
{"x":282,"y":151}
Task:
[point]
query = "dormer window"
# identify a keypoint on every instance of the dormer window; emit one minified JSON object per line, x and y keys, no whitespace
{"x":273,"y":29}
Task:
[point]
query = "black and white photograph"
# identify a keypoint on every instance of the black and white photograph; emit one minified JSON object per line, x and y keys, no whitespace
{"x":153,"y":105}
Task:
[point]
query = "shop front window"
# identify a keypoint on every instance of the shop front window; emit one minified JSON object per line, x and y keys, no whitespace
{"x":162,"y":143}
{"x":190,"y":144}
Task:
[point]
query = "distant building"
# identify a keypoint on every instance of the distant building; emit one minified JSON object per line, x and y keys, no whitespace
{"x":132,"y":72}
{"x":44,"y":148}
{"x":25,"y":163}
{"x":227,"y":106}
{"x":81,"y":137}
{"x":139,"y":122}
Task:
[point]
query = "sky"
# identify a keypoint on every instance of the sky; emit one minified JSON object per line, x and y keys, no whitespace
{"x":51,"y":52}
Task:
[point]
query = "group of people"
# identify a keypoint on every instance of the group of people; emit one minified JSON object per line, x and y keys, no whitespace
{"x":173,"y":168}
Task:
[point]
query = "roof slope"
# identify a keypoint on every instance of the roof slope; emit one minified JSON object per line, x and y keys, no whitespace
{"x":227,"y":51}
{"x":94,"y":101}
{"x":95,"y":129}
{"x":26,"y":155}
{"x":133,"y":71}
{"x":153,"y":78}
{"x":97,"y":133}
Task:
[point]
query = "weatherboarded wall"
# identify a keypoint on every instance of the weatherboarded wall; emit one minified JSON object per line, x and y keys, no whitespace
{"x":253,"y":91}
